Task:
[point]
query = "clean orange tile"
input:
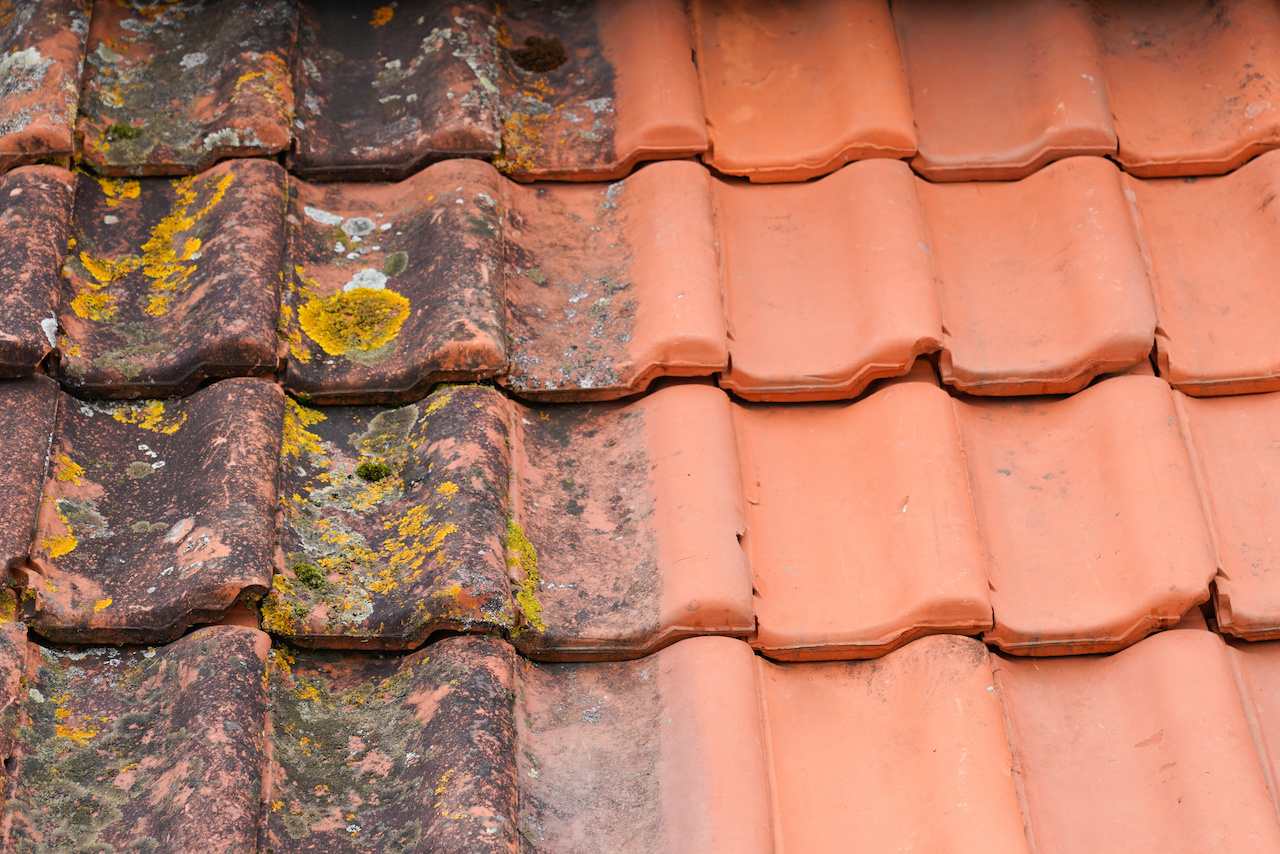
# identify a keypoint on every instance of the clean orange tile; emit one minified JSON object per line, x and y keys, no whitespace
{"x":792,"y":93}
{"x":829,"y":284}
{"x":1042,"y":280}
{"x":904,"y":753}
{"x":1235,"y":446}
{"x":1145,"y":750}
{"x":1090,"y":516}
{"x":1257,"y":672}
{"x":1213,"y":260}
{"x":611,"y":285}
{"x":862,"y":534}
{"x":1193,"y":86}
{"x":999,"y":89}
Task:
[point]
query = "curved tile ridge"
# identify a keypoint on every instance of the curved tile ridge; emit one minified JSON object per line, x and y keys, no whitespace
{"x":1147,"y":749}
{"x":41,"y":56}
{"x":591,"y":87}
{"x":35,"y":222}
{"x":1042,"y":281}
{"x":233,"y":93}
{"x":383,"y":88}
{"x":166,"y":744}
{"x":392,"y":288}
{"x":156,"y":515}
{"x":1212,"y":248}
{"x":168,"y":283}
{"x":855,"y":553}
{"x":27,"y":411}
{"x":999,"y":89}
{"x":792,"y":96}
{"x":1089,"y":513}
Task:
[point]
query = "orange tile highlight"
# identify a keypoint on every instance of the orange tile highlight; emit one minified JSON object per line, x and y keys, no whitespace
{"x":999,"y":89}
{"x":1090,"y":516}
{"x":794,"y":94}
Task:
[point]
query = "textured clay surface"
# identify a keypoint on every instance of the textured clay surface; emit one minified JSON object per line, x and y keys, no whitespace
{"x":27,"y":411}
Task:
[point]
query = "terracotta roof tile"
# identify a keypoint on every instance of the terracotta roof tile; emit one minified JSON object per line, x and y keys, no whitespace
{"x":1090,"y":516}
{"x":1211,"y":249}
{"x":1000,"y":89}
{"x":156,"y":515}
{"x":621,"y":88}
{"x":42,"y":44}
{"x":383,"y":88}
{"x":790,"y":95}
{"x":854,"y":554}
{"x":172,"y":282}
{"x":27,"y":410}
{"x":172,"y":89}
{"x":34,"y":226}
{"x":1149,"y":748}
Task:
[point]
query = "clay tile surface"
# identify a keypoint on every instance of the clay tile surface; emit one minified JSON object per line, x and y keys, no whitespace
{"x":611,"y":285}
{"x":625,"y":521}
{"x":1147,"y":749}
{"x":41,"y":53}
{"x":999,"y":89}
{"x":394,"y":287}
{"x":394,"y":522}
{"x":382,"y":88}
{"x":156,"y":515}
{"x":1192,"y":86}
{"x":793,"y":94}
{"x":1235,"y":446}
{"x":1212,"y":248}
{"x":1042,"y":280}
{"x":173,"y":88}
{"x":172,"y":282}
{"x":1090,"y":515}
{"x":855,"y":553}
{"x":135,"y":749}
{"x":590,"y":87}
{"x":828,"y":285}
{"x":35,"y":222}
{"x":406,"y":754}
{"x":27,"y":410}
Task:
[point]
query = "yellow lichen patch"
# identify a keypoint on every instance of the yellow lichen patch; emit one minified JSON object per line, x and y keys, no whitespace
{"x":66,"y":469}
{"x":381,"y":16}
{"x":297,"y":438}
{"x":80,"y":735}
{"x":60,"y":544}
{"x":360,"y":319}
{"x":290,"y":332}
{"x":100,"y":604}
{"x":522,"y":556}
{"x":158,"y":305}
{"x":8,"y":609}
{"x":94,"y":304}
{"x":447,"y":488}
{"x":118,"y":190}
{"x":150,"y":416}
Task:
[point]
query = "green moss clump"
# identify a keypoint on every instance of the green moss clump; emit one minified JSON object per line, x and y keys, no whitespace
{"x":373,"y":472}
{"x":395,"y":264}
{"x":118,"y":131}
{"x":310,"y":576}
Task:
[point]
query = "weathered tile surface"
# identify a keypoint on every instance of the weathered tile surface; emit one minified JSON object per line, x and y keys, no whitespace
{"x":382,"y":88}
{"x":156,"y":515}
{"x":394,"y":287}
{"x":35,"y":222}
{"x":394,"y":522}
{"x":172,"y":88}
{"x":172,"y":282}
{"x":27,"y":412}
{"x":41,"y":53}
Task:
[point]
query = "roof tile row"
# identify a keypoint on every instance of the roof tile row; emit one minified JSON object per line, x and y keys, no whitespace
{"x":589,"y":291}
{"x":610,"y":530}
{"x":585,"y":91}
{"x":458,"y":747}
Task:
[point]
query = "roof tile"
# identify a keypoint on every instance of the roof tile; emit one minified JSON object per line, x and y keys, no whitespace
{"x":172,"y":282}
{"x":1000,"y":89}
{"x":35,"y":222}
{"x":854,"y":554}
{"x":1212,"y":250}
{"x":156,"y":515}
{"x":381,"y":89}
{"x":1043,"y":284}
{"x":27,"y":411}
{"x":42,"y":45}
{"x":1089,"y":512}
{"x":1149,"y":748}
{"x":791,"y":96}
{"x":153,"y":104}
